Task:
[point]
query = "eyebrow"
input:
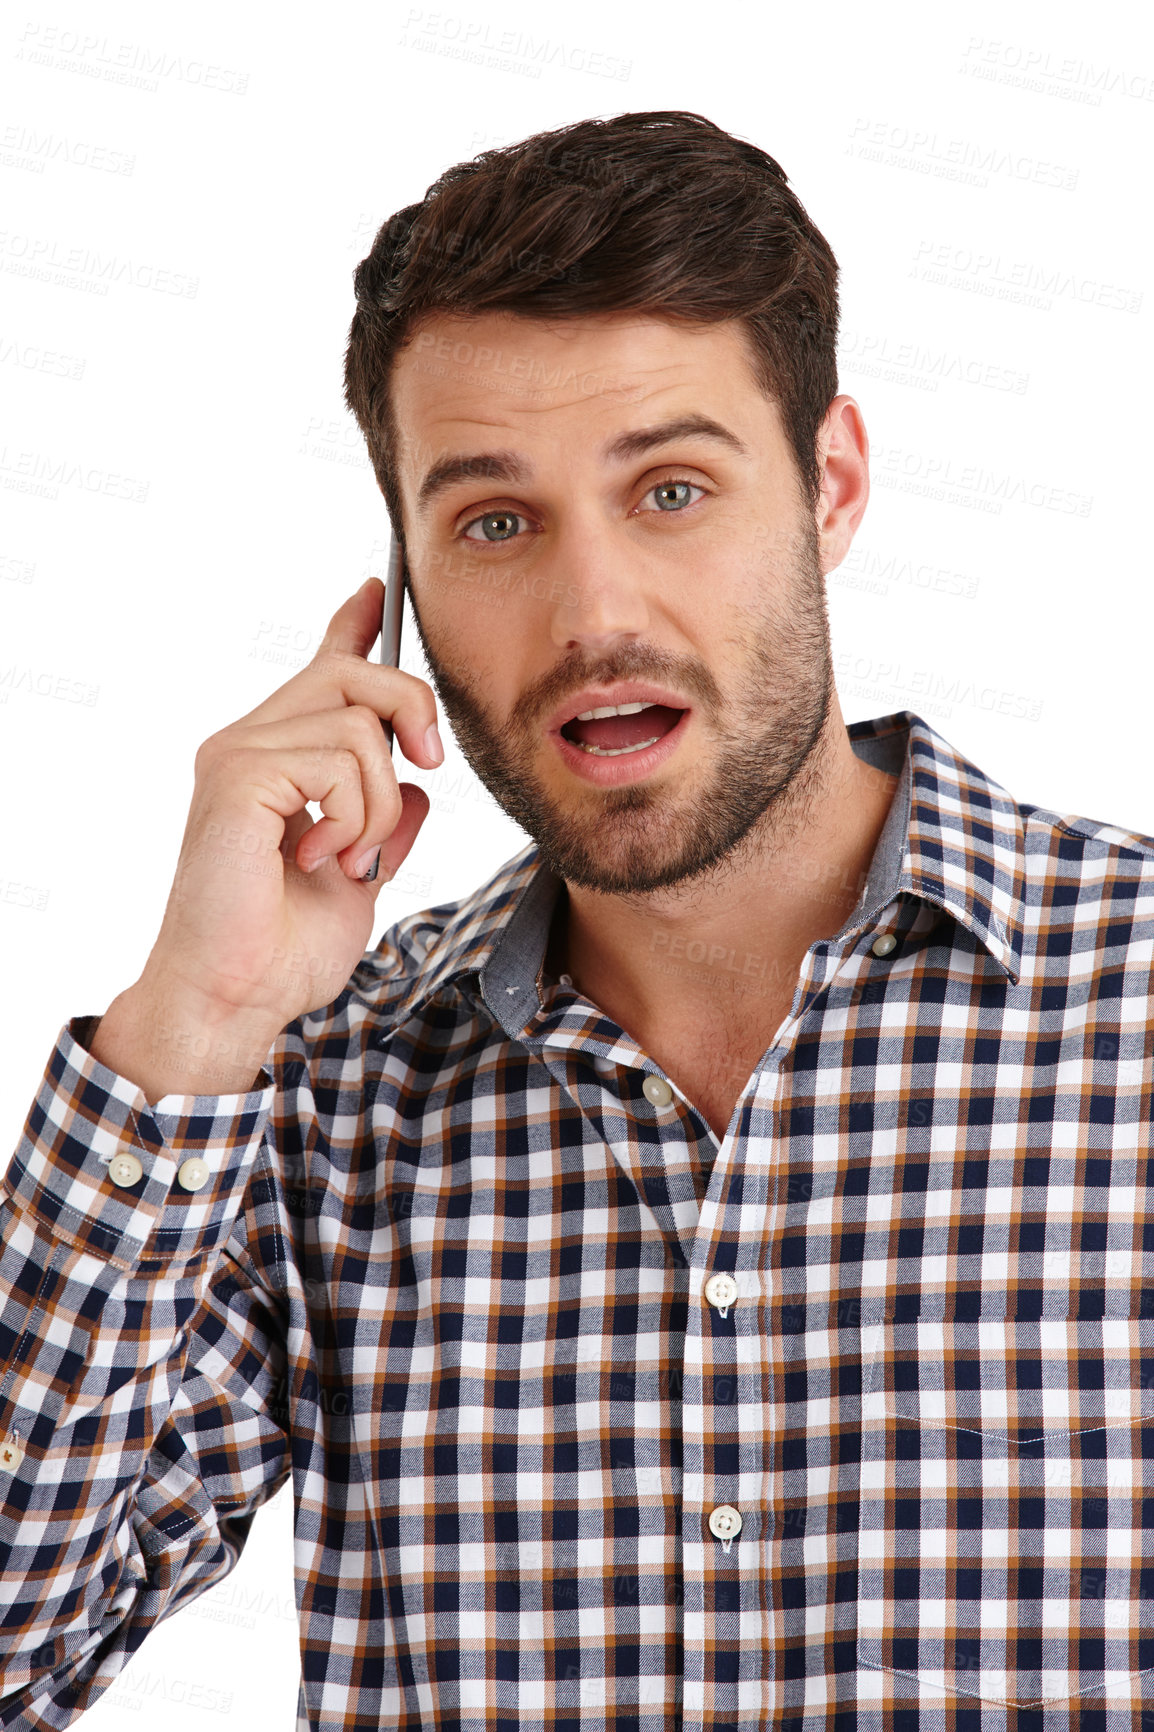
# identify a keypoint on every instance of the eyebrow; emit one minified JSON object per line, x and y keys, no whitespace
{"x":511,"y":466}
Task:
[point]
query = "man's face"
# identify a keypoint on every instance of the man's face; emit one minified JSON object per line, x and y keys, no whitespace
{"x":689,"y":565}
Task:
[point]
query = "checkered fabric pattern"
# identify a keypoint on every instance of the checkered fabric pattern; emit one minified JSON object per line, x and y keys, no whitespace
{"x":449,"y":1274}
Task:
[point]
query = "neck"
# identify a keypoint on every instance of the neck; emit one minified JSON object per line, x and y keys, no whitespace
{"x":677,"y":955}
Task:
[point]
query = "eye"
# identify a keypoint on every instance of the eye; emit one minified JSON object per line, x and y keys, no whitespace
{"x":495,"y":526}
{"x":672,"y":494}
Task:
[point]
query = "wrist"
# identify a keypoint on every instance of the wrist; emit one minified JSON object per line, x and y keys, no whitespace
{"x":170,"y":1039}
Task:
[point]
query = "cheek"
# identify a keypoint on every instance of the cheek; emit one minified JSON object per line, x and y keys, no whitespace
{"x":453,"y":584}
{"x":464,"y":614}
{"x":467,"y":640}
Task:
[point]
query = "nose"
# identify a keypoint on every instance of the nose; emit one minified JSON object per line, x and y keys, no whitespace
{"x":603,"y":598}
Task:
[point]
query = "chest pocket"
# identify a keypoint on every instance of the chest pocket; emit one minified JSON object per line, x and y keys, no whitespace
{"x":1007,"y":1513}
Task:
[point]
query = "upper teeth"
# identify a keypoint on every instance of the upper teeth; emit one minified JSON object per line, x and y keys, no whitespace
{"x":610,"y":710}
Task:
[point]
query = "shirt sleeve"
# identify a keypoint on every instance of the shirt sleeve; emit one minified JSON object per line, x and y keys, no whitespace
{"x":142,"y":1406}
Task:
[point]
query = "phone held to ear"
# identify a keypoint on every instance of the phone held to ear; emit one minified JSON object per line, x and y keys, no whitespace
{"x":391,"y":616}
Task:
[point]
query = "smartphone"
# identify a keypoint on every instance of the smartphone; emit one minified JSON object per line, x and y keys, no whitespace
{"x":391,"y":616}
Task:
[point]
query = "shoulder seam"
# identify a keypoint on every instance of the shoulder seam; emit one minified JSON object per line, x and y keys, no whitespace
{"x":1090,"y":830}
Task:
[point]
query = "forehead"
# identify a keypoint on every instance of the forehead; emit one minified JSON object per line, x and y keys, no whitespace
{"x":456,"y":374}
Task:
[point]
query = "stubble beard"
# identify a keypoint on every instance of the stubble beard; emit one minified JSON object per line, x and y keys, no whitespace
{"x":647,"y":836}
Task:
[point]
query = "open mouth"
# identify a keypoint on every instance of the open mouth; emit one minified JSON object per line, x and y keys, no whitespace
{"x":630,"y":728}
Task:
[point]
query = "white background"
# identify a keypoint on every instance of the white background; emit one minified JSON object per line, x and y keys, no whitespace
{"x":186,"y":193}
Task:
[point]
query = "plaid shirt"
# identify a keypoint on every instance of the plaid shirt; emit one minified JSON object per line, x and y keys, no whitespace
{"x":455,"y":1272}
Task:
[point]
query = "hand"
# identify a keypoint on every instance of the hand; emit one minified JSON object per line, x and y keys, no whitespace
{"x":269,"y":912}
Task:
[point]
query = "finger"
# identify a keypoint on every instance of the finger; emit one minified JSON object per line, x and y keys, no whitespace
{"x":356,"y":625}
{"x":295,"y":827}
{"x":395,"y":848}
{"x":404,"y":701}
{"x":356,"y":730}
{"x":265,"y":791}
{"x":334,"y":776}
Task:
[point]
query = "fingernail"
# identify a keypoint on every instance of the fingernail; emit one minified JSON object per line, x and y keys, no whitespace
{"x":366,"y":866}
{"x":433,"y":746}
{"x":312,"y":867}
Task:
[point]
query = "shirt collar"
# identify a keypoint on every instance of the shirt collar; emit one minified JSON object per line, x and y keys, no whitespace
{"x":965,"y":842}
{"x":953,"y":837}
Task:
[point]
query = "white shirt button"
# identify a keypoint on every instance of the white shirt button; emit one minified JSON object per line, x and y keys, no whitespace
{"x":11,"y":1455}
{"x":724,"y":1521}
{"x":884,"y":945}
{"x":192,"y":1174}
{"x":657,"y":1090}
{"x":124,"y":1170}
{"x":721,"y":1290}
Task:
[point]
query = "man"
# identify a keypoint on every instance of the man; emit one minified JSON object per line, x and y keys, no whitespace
{"x":701,"y":1277}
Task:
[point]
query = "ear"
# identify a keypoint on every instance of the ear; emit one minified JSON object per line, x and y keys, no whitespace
{"x":843,"y":453}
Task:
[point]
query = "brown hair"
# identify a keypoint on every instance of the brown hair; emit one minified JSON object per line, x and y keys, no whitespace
{"x":661,"y":213}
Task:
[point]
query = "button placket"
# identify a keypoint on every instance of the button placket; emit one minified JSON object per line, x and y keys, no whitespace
{"x":711,"y":1416}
